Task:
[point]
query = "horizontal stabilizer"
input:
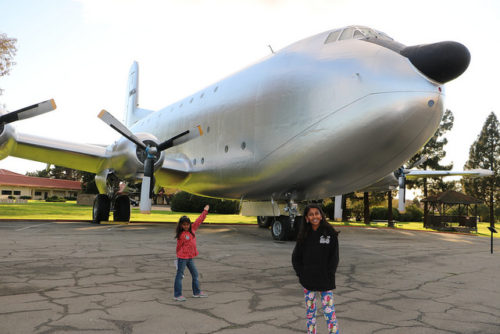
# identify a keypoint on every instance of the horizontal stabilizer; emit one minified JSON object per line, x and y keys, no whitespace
{"x":435,"y":173}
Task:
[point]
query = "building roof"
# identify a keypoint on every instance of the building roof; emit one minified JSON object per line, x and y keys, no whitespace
{"x":452,"y":197}
{"x":8,"y":178}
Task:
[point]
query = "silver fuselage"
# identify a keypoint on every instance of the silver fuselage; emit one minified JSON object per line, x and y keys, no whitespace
{"x":310,"y":121}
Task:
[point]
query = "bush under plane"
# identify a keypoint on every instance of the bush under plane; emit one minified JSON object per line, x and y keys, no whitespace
{"x":337,"y":112}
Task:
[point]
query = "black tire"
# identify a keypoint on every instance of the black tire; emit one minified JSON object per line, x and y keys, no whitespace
{"x":100,"y":211}
{"x":280,"y":228}
{"x":121,"y":212}
{"x":264,"y":221}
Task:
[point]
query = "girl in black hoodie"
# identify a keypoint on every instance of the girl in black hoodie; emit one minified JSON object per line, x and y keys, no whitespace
{"x":315,"y":259}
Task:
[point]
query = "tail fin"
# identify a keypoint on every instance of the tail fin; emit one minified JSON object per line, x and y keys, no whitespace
{"x":133,"y":113}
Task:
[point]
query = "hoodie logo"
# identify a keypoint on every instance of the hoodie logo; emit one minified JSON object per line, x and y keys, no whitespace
{"x":324,"y":240}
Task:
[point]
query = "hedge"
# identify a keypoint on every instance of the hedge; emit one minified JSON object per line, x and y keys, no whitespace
{"x":186,"y":202}
{"x":412,"y":214}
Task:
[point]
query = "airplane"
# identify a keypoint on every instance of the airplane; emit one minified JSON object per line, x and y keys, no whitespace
{"x":330,"y":114}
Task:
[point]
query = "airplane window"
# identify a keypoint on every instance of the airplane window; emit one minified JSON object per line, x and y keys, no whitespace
{"x":332,"y":37}
{"x":226,"y":148}
{"x":358,"y":34}
{"x":346,"y":34}
{"x":191,"y":101}
{"x":202,"y":161}
{"x":201,"y":96}
{"x":216,"y":89}
{"x":243,"y":145}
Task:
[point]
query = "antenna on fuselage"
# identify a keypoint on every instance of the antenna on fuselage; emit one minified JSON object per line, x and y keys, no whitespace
{"x":270,"y":47}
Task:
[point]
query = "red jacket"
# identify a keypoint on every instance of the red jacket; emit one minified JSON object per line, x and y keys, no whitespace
{"x":186,"y":244}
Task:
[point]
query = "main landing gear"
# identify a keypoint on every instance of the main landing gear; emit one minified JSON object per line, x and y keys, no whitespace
{"x":283,"y":227}
{"x":103,"y":205}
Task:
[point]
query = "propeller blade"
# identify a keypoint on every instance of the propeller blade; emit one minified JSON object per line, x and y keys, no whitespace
{"x":148,"y":180}
{"x":402,"y":194}
{"x":109,"y":119}
{"x":181,"y":138}
{"x":31,"y":111}
{"x":145,"y":203}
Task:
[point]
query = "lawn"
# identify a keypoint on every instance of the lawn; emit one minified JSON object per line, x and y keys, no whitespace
{"x":71,"y":211}
{"x":482,"y":227}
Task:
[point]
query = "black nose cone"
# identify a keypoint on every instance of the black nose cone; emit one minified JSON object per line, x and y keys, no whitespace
{"x":441,"y":62}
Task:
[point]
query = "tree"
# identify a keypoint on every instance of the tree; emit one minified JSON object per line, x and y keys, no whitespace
{"x":7,"y":52}
{"x":88,"y":183}
{"x":63,"y":173}
{"x":434,"y":150}
{"x":485,"y":153}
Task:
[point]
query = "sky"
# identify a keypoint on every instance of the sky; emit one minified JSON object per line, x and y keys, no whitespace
{"x":79,"y":53}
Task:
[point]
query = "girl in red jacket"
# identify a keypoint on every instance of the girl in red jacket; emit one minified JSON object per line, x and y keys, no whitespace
{"x":186,"y":251}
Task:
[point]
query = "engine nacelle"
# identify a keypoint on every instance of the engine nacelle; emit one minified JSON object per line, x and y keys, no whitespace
{"x":7,"y":140}
{"x":127,"y":160}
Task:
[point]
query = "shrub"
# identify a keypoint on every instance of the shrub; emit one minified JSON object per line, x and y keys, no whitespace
{"x":380,"y":213}
{"x":55,"y":199}
{"x":185,"y":202}
{"x":412,"y":214}
{"x":25,"y":197}
{"x":11,"y":197}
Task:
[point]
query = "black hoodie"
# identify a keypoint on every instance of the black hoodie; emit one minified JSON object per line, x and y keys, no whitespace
{"x":315,"y":260}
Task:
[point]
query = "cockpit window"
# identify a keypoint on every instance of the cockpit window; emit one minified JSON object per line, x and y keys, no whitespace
{"x":356,"y":32}
{"x":332,"y":37}
{"x":346,"y":34}
{"x":364,"y":34}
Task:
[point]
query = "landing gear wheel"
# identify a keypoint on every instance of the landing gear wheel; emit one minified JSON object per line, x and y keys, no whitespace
{"x":264,"y":221}
{"x":121,"y":212}
{"x":280,"y":227}
{"x":100,"y":212}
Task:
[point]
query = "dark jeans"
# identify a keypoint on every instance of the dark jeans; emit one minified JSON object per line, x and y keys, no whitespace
{"x":181,"y":265}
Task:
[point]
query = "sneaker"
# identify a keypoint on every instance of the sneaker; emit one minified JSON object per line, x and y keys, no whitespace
{"x":180,"y":299}
{"x":201,"y":295}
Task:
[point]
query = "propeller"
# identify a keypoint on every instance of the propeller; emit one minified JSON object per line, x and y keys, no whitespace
{"x":28,"y":112}
{"x":401,"y":175}
{"x":152,"y":152}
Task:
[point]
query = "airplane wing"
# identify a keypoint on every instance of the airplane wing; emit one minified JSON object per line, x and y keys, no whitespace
{"x":391,"y":181}
{"x":413,"y":173}
{"x":86,"y":157}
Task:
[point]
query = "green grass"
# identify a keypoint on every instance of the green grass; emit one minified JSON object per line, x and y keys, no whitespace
{"x":71,"y":211}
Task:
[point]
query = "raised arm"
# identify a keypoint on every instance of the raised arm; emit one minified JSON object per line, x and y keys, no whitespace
{"x":200,"y":219}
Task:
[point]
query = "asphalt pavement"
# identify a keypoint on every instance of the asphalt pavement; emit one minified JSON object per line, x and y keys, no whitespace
{"x":76,"y":277}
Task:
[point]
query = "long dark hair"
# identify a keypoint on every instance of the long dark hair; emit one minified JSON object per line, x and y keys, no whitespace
{"x":179,"y":228}
{"x":305,"y":228}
